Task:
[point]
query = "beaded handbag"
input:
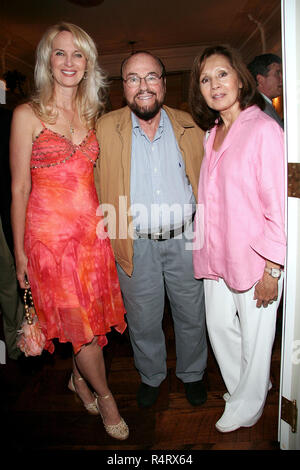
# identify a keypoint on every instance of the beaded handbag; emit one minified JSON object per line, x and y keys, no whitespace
{"x":31,"y":339}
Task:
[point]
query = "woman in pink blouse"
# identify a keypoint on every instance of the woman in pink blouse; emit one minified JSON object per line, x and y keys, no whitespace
{"x":240,"y":244}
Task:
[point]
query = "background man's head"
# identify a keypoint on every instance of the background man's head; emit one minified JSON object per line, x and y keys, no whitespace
{"x":267,"y":71}
{"x":144,"y":84}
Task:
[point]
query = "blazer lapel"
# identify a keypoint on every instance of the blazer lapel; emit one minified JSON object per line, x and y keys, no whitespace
{"x":124,"y":129}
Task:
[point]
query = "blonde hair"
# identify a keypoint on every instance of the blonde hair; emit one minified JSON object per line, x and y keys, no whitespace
{"x":92,"y":90}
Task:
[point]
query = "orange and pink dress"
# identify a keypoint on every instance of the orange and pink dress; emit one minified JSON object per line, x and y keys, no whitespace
{"x":71,"y":266}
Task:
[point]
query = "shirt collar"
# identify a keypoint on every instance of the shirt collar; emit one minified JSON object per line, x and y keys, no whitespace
{"x":136,"y":126}
{"x":266,"y":98}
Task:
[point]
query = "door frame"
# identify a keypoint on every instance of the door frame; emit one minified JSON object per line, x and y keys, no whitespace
{"x":290,"y":356}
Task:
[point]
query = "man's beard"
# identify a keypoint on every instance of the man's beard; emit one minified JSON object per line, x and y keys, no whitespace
{"x":145,"y":113}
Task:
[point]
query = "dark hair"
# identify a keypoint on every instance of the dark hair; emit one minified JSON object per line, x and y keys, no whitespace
{"x":158,"y":60}
{"x":260,"y":64}
{"x":202,"y":114}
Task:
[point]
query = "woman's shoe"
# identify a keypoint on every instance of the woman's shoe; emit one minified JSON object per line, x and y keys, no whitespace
{"x":91,"y":408}
{"x":117,"y":431}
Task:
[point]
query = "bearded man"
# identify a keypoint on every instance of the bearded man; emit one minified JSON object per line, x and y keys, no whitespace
{"x":148,"y":171}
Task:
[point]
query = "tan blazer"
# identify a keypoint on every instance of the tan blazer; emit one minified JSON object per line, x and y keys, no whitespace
{"x":112,"y":172}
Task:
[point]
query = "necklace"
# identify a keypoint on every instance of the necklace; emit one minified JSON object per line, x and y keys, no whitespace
{"x":70,"y":123}
{"x":72,"y":130}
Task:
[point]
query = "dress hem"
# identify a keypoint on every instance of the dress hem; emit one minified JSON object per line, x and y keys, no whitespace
{"x":102,"y":339}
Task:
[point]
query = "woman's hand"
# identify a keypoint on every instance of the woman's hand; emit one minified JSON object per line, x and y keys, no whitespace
{"x":266,"y":290}
{"x":21,"y":271}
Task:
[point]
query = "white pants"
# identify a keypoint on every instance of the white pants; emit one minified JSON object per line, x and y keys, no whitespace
{"x":242,"y":337}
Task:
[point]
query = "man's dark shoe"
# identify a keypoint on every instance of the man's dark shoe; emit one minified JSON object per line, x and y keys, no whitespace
{"x":147,"y":395}
{"x":195,"y":392}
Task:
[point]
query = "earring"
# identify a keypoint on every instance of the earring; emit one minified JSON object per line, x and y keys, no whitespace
{"x":85,"y":76}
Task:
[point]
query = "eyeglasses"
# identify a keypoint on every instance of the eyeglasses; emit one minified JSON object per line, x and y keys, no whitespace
{"x":134,"y":80}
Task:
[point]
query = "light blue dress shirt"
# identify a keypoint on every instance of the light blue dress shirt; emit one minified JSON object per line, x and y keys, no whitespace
{"x":161,"y":194}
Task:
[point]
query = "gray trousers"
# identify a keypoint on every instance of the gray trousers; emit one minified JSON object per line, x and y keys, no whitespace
{"x":11,"y":306}
{"x":159,"y":266}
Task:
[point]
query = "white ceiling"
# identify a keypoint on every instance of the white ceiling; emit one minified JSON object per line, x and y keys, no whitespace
{"x":175,"y":29}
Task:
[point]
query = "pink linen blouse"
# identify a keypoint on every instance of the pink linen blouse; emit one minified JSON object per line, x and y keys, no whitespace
{"x":241,"y":198}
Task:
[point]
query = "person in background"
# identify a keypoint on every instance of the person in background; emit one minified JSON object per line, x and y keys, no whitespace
{"x":149,"y":164}
{"x":5,"y":177}
{"x":267,"y":72}
{"x":240,"y":242}
{"x":71,"y":270}
{"x":11,"y":306}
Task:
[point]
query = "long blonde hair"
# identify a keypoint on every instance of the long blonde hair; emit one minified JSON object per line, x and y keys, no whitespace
{"x":92,"y":90}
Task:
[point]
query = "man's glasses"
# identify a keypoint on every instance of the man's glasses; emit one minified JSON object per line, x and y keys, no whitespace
{"x":134,"y":80}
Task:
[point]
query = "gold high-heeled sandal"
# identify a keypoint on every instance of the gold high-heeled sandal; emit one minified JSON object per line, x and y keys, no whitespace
{"x":117,"y":431}
{"x":91,"y":408}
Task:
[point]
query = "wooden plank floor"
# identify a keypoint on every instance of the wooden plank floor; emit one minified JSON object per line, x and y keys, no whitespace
{"x":41,"y":414}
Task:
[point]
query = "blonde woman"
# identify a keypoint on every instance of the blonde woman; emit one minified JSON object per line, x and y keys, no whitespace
{"x":71,"y":270}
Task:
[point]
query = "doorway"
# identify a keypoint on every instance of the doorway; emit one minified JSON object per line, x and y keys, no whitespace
{"x":288,"y":427}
